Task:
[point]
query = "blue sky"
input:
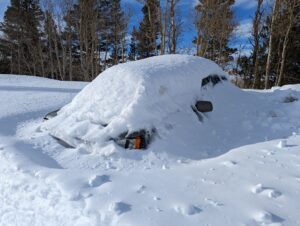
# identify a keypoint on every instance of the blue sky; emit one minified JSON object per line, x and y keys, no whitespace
{"x":244,"y":10}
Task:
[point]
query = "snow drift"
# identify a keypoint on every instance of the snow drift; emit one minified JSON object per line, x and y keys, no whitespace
{"x":157,"y":93}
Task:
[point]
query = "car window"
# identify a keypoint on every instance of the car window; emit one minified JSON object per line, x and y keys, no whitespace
{"x":213,"y":79}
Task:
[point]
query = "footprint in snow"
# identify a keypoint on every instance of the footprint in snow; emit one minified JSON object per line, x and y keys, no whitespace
{"x":267,"y":152}
{"x":98,"y":180}
{"x":141,"y":189}
{"x":156,"y":198}
{"x":213,"y":202}
{"x":120,"y":207}
{"x":187,"y":209}
{"x":267,"y":218}
{"x":207,"y":181}
{"x":229,"y":163}
{"x":269,"y":192}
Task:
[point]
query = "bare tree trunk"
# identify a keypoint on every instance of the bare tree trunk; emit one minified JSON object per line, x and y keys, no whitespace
{"x":70,"y":59}
{"x":256,"y":23}
{"x":198,"y":45}
{"x":291,"y":6}
{"x":173,"y":31}
{"x":163,"y":29}
{"x":123,"y":49}
{"x":19,"y":59}
{"x":105,"y":57}
{"x":279,"y":61}
{"x":51,"y":58}
{"x":41,"y":56}
{"x":57,"y":56}
{"x":274,"y":15}
{"x":11,"y":60}
{"x":153,"y":40}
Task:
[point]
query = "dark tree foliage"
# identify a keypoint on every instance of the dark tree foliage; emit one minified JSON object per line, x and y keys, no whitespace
{"x":22,"y":34}
{"x":77,"y":39}
{"x":292,"y":66}
{"x":149,"y":30}
{"x":70,"y":40}
{"x":118,"y":31}
{"x":133,"y":45}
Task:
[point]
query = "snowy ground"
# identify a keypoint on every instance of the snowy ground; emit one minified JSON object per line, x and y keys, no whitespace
{"x":42,"y":183}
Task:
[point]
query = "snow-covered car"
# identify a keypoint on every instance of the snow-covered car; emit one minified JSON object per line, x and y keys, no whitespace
{"x":135,"y":104}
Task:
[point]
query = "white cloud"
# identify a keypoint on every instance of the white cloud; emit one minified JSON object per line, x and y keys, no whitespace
{"x":195,"y":2}
{"x":244,"y":29}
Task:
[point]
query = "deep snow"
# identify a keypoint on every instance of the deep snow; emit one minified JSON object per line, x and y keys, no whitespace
{"x":42,"y":183}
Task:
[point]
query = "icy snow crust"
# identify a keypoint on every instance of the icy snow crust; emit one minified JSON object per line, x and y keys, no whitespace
{"x":138,"y":95}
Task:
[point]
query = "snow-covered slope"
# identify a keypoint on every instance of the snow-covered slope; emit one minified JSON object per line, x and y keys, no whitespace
{"x":42,"y":183}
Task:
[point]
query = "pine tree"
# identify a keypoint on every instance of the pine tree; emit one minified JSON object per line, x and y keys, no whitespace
{"x":149,"y":29}
{"x":4,"y":59}
{"x":117,"y":31}
{"x":11,"y":40}
{"x":71,"y":38}
{"x":22,"y":35}
{"x":50,"y":31}
{"x":133,"y":45}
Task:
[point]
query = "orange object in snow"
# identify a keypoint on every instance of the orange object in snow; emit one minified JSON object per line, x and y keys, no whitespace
{"x":138,"y":143}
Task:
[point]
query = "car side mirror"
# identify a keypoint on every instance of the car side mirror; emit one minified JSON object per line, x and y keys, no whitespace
{"x":204,"y":106}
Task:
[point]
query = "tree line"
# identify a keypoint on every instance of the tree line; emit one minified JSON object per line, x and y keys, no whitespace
{"x":78,"y":39}
{"x":275,"y":55}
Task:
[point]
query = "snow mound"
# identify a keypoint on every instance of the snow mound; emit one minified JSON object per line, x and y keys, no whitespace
{"x":133,"y":96}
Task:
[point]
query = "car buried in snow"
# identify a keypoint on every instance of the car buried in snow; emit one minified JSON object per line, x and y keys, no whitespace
{"x":127,"y":103}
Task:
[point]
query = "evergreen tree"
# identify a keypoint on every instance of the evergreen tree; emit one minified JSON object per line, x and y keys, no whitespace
{"x":4,"y":59}
{"x":22,"y":36}
{"x":149,"y":29}
{"x":133,"y":45}
{"x":117,"y":31}
{"x":11,"y":41}
{"x":104,"y":9}
{"x":71,"y":37}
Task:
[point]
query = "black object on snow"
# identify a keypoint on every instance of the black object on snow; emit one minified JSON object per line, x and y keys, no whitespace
{"x":214,"y":79}
{"x":135,"y":140}
{"x":62,"y":142}
{"x":204,"y":106}
{"x":51,"y":115}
